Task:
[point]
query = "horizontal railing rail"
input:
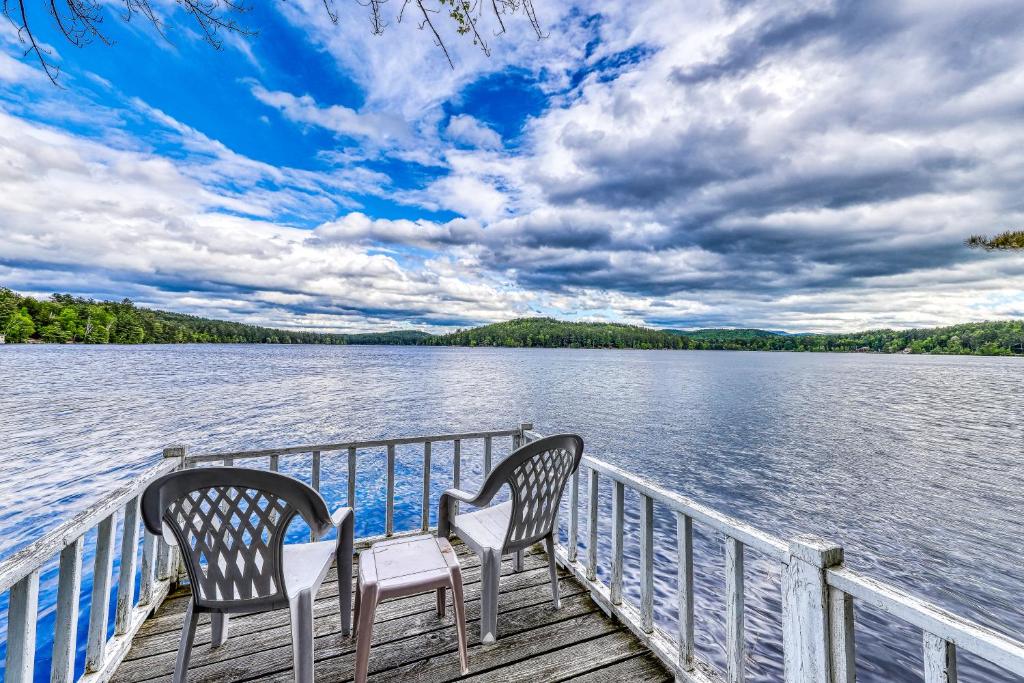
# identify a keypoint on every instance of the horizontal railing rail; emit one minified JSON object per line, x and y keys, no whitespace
{"x":818,"y":592}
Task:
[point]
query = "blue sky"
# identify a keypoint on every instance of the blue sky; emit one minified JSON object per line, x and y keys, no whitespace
{"x":808,"y":165}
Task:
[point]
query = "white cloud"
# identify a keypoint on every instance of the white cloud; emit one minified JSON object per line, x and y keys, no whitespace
{"x":471,"y":131}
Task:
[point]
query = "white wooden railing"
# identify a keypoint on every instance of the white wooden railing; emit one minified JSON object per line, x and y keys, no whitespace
{"x":160,"y":567}
{"x":818,"y":592}
{"x":817,"y":589}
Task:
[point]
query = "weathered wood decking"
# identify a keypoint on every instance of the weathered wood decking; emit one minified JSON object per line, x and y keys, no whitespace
{"x":410,"y":642}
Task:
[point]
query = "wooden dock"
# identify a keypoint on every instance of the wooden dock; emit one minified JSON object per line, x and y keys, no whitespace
{"x":410,"y":642}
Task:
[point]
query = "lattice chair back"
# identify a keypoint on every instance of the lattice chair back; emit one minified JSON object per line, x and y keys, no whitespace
{"x":536,"y":474}
{"x":230,"y":525}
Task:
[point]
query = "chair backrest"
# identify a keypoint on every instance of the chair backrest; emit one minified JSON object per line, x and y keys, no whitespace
{"x":230,"y":525}
{"x":536,"y":475}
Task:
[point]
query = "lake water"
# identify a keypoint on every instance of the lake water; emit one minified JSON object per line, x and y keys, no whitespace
{"x":913,"y":463}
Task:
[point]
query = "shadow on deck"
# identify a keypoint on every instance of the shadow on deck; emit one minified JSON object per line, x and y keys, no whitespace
{"x":410,"y":642}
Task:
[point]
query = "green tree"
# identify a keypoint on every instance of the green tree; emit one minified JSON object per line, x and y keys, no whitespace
{"x":19,"y":326}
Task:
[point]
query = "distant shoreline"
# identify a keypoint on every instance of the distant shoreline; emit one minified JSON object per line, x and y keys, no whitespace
{"x":523,"y":348}
{"x":64,"y":319}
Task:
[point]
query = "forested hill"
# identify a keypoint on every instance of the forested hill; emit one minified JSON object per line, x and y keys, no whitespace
{"x":989,"y":338}
{"x":64,"y":318}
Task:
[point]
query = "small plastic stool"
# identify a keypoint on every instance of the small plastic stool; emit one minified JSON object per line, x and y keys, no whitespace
{"x":405,"y":566}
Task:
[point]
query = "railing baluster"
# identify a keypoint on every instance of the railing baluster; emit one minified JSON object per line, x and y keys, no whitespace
{"x":457,"y":469}
{"x":148,"y":566}
{"x":164,"y":559}
{"x":592,"y":501}
{"x":22,"y":613}
{"x":229,"y":462}
{"x":842,"y":639}
{"x":99,"y":606}
{"x":734,"y":638}
{"x":65,"y":627}
{"x":425,"y":523}
{"x":487,"y":455}
{"x":314,"y":480}
{"x":939,"y":660}
{"x":574,"y":516}
{"x":647,"y":563}
{"x":352,"y":478}
{"x":457,"y":464}
{"x":618,"y":499}
{"x":684,"y":534}
{"x":126,"y":572}
{"x":389,"y":503}
{"x":314,"y":473}
{"x":275,"y":463}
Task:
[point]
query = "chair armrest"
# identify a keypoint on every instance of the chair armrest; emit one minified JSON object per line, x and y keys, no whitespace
{"x":446,"y":506}
{"x":465,"y":497}
{"x":341,"y":515}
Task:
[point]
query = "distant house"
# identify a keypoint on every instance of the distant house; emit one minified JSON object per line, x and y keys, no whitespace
{"x":863,"y":349}
{"x":2,"y":339}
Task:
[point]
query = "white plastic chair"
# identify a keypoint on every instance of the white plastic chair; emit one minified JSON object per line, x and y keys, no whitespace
{"x":230,"y":525}
{"x":535,"y":475}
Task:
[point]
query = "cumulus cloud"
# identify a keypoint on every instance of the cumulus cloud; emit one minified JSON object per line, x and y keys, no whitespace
{"x":804,"y":165}
{"x":471,"y":131}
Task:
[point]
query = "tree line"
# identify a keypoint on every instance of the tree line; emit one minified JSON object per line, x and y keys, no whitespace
{"x":987,"y":338}
{"x":64,"y":318}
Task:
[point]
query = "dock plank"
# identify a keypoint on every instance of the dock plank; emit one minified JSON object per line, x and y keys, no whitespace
{"x":410,"y":642}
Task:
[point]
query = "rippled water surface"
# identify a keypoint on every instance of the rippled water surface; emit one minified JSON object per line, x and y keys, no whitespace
{"x":913,"y":463}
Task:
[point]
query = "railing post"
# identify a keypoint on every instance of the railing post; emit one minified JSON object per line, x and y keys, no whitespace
{"x":647,"y":563}
{"x":179,"y":452}
{"x":65,"y":627}
{"x":939,"y":660}
{"x":425,"y":524}
{"x":126,"y":574}
{"x":735,"y":636}
{"x":149,"y":548}
{"x":574,"y":515}
{"x":684,"y":540}
{"x":352,"y":478}
{"x":805,"y":609}
{"x":618,"y":496}
{"x":22,"y":614}
{"x":592,"y":501}
{"x":99,"y":605}
{"x":840,"y":620}
{"x":389,"y":503}
{"x":487,"y":456}
{"x":457,"y":468}
{"x":519,"y":438}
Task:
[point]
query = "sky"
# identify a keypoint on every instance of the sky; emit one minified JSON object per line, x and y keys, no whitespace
{"x":804,"y":166}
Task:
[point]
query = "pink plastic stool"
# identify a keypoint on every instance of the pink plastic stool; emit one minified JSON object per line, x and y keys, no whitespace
{"x":400,"y":567}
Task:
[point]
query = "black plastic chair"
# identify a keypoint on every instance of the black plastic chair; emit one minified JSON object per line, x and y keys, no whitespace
{"x":230,"y":525}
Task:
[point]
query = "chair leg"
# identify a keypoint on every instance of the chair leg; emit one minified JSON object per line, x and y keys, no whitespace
{"x":517,"y":561}
{"x":440,"y":602}
{"x":355,"y":609}
{"x":549,"y":546}
{"x":364,"y":631}
{"x":219,"y":629}
{"x":490,"y":577}
{"x":459,"y":607}
{"x":343,"y":563}
{"x":301,"y":609}
{"x":188,"y":634}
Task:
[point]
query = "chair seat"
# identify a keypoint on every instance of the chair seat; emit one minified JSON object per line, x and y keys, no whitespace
{"x":485,"y":529}
{"x":306,"y":564}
